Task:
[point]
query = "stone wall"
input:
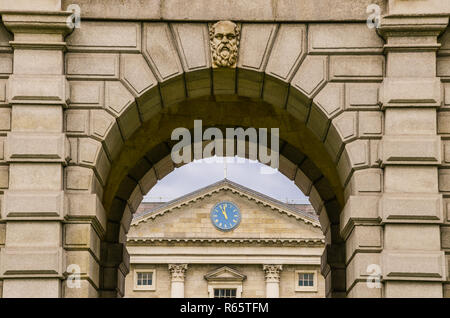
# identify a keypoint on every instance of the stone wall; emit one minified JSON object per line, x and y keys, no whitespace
{"x":84,"y":133}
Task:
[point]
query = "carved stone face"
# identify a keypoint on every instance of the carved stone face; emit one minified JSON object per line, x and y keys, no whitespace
{"x":224,"y":36}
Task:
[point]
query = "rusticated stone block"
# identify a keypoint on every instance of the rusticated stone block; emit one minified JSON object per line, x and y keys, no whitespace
{"x":42,"y":89}
{"x":50,"y":147}
{"x":82,"y":179}
{"x":89,"y":266}
{"x":31,"y":260}
{"x":346,"y":37}
{"x":87,"y":94}
{"x":32,"y":288}
{"x":370,"y":124}
{"x":290,"y":43}
{"x":405,"y":150}
{"x":92,"y":66}
{"x":303,"y":182}
{"x":365,"y":238}
{"x":86,"y":290}
{"x":106,"y":36}
{"x":359,"y":208}
{"x":407,"y":179}
{"x":365,"y":181}
{"x":359,"y":268}
{"x":148,"y":181}
{"x":405,"y":265}
{"x":2,"y":233}
{"x":35,"y":204}
{"x":311,"y":75}
{"x":342,"y":129}
{"x":135,"y":198}
{"x":411,"y":208}
{"x":412,"y":237}
{"x":4,"y":177}
{"x":82,"y":236}
{"x":104,"y":127}
{"x":3,"y":91}
{"x":445,"y":237}
{"x":397,"y":289}
{"x":76,"y":122}
{"x":417,"y":121}
{"x":255,"y":44}
{"x":362,"y":68}
{"x":159,"y":49}
{"x":87,"y":207}
{"x":444,"y":180}
{"x":402,"y":92}
{"x":91,"y":153}
{"x":362,"y":96}
{"x":361,"y":290}
{"x":121,"y":103}
{"x":35,"y":176}
{"x":136,"y":74}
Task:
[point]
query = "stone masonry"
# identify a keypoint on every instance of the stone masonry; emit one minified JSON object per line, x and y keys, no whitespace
{"x":86,"y":115}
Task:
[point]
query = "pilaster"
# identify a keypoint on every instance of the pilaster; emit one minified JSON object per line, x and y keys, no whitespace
{"x":410,"y":208}
{"x":34,"y":261}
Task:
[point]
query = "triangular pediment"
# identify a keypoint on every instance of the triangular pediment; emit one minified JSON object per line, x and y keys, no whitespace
{"x":225,"y":273}
{"x":238,"y":189}
{"x":263,"y":220}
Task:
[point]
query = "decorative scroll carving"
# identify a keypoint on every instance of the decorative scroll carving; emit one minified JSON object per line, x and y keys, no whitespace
{"x":224,"y":37}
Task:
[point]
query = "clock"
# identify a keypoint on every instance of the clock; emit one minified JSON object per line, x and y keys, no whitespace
{"x":225,"y":216}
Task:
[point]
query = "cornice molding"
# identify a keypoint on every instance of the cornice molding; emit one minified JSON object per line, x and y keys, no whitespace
{"x":296,"y":241}
{"x":37,"y":22}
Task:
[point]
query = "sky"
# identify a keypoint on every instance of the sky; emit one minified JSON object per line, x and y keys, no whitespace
{"x":250,"y":174}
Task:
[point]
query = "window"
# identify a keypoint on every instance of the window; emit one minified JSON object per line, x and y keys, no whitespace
{"x":305,"y":281}
{"x":144,"y":279}
{"x":224,"y":293}
{"x":225,"y":282}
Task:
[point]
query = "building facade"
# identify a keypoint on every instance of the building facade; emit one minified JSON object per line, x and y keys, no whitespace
{"x":188,"y":248}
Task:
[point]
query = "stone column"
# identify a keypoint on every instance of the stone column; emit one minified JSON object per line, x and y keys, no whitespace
{"x":178,"y":272}
{"x":411,"y":208}
{"x":33,"y":260}
{"x":272,"y":280}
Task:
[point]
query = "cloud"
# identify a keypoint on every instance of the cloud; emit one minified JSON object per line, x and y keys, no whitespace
{"x":200,"y":174}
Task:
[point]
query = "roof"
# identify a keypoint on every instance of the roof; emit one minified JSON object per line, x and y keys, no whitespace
{"x":225,"y":184}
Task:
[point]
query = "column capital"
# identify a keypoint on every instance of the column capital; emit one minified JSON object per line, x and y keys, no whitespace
{"x":272,"y":272}
{"x":178,"y":272}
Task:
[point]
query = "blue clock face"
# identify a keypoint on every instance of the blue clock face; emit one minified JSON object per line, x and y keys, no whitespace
{"x":225,"y":216}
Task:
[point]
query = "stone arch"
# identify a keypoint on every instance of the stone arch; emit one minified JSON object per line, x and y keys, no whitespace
{"x":338,"y":115}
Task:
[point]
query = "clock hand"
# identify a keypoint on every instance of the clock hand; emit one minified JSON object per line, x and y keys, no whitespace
{"x":224,"y":213}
